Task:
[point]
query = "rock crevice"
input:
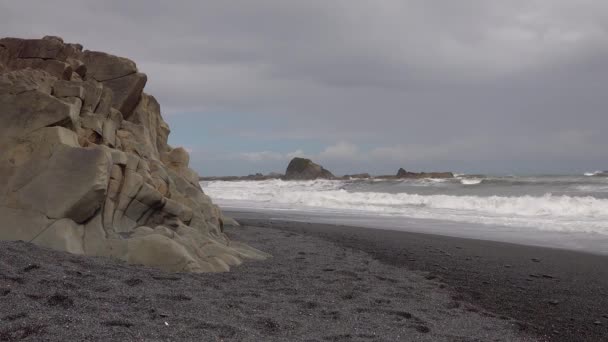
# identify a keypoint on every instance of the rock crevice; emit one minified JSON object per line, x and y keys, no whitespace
{"x":86,"y":166}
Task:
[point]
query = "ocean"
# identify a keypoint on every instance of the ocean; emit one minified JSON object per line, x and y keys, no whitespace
{"x":569,"y":211}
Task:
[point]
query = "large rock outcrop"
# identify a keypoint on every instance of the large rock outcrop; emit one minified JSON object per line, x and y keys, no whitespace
{"x":85,"y":166}
{"x":303,"y":169}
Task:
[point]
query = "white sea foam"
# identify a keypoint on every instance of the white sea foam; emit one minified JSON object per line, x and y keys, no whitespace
{"x":470,"y":181}
{"x":594,"y":173}
{"x":425,"y":181}
{"x":548,"y":212}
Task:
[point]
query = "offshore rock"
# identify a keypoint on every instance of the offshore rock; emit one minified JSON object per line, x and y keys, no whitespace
{"x":303,"y":169}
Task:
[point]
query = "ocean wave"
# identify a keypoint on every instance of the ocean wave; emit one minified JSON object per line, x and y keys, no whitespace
{"x":530,"y":181}
{"x":591,"y":188}
{"x":426,"y":182}
{"x":471,"y":181}
{"x":563,"y":213}
{"x":594,"y":173}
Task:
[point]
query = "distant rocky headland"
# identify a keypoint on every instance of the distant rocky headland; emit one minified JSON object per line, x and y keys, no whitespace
{"x":306,"y":169}
{"x":253,"y":177}
{"x":86,"y":168}
{"x":406,"y":174}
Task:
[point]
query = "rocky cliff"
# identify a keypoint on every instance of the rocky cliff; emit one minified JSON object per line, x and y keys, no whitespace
{"x":85,"y":166}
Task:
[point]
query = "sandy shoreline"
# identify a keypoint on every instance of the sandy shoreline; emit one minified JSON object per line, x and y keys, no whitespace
{"x":556,"y":294}
{"x":311,"y":290}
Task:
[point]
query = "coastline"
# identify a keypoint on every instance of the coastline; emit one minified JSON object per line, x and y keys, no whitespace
{"x":557,"y":294}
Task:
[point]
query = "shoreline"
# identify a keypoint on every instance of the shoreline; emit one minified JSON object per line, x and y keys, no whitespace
{"x":593,"y":243}
{"x":557,"y":293}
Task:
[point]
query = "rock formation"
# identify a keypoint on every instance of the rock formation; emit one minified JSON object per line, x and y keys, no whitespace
{"x":302,"y":169}
{"x":401,"y":173}
{"x":85,"y":166}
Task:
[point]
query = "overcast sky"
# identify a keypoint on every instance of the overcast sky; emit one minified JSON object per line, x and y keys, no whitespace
{"x":517,"y":86}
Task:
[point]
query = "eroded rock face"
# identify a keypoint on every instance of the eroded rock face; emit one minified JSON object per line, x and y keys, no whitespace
{"x":302,"y":168}
{"x":71,"y":183}
{"x":85,"y":166}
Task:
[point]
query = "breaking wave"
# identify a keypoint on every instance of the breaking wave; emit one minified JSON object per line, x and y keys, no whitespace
{"x":471,"y":181}
{"x":547,"y":212}
{"x":594,"y":173}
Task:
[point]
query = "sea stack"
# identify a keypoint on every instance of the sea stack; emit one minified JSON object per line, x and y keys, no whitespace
{"x":306,"y":169}
{"x":85,"y":166}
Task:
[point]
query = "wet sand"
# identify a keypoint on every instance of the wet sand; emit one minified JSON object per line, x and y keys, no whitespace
{"x":554,"y":294}
{"x":313,"y":289}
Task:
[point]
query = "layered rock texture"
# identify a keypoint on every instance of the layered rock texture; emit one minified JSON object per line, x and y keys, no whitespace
{"x":85,"y":166}
{"x":303,"y":169}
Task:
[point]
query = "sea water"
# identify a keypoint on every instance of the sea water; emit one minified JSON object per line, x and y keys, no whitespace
{"x":568,"y":211}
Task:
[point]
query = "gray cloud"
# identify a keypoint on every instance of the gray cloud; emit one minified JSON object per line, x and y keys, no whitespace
{"x":425,"y":82}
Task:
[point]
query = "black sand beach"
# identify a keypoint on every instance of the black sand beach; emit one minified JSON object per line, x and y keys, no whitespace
{"x":311,"y":290}
{"x":558,"y":295}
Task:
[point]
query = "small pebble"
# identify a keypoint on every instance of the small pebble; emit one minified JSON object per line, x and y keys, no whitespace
{"x":535,"y":260}
{"x":507,"y":266}
{"x":597,"y":323}
{"x":31,"y":267}
{"x":554,"y":302}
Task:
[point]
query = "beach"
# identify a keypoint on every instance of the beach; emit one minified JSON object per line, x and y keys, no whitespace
{"x":312,"y":289}
{"x":554,"y":294}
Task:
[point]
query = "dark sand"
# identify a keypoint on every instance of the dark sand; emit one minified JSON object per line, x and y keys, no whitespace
{"x":311,"y":290}
{"x":555,"y":294}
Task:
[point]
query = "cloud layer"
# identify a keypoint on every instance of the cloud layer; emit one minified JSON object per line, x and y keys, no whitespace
{"x":476,"y":85}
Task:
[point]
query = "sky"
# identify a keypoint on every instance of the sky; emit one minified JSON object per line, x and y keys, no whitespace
{"x":476,"y":86}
